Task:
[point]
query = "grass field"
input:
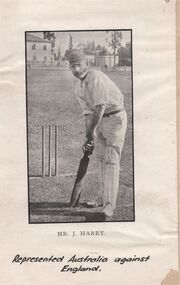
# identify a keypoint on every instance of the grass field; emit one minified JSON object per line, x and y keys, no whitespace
{"x":51,"y":101}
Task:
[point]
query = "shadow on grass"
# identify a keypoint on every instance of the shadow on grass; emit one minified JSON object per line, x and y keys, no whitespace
{"x":64,"y":209}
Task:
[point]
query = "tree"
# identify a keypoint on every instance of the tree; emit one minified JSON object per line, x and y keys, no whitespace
{"x":125,"y":55}
{"x":66,"y":55}
{"x":70,"y":43}
{"x":98,"y":48}
{"x":115,"y":43}
{"x":58,"y":57}
{"x":89,"y":48}
{"x":50,"y":37}
{"x":103,"y":51}
{"x":69,"y":50}
{"x":81,"y":46}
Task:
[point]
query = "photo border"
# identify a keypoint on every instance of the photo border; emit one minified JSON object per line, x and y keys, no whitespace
{"x":132,"y":102}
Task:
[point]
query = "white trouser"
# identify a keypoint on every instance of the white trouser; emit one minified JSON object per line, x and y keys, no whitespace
{"x":110,"y":140}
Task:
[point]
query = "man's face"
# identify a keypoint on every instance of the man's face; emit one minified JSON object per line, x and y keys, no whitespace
{"x":79,"y":69}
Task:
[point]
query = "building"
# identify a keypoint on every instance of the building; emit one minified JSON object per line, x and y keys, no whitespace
{"x":90,"y":60}
{"x":38,"y":50}
{"x":105,"y":61}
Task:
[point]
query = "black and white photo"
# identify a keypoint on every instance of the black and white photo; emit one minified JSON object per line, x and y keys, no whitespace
{"x":79,"y":90}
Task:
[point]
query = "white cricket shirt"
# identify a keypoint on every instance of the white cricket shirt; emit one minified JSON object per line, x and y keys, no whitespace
{"x":98,"y":89}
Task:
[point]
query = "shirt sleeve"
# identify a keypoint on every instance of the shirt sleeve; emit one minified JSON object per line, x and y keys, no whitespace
{"x":83,"y":104}
{"x":100,"y":91}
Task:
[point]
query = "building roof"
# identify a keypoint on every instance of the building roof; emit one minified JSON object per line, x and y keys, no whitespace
{"x":35,"y":39}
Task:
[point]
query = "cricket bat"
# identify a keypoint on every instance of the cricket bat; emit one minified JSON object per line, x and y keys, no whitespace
{"x":76,"y":193}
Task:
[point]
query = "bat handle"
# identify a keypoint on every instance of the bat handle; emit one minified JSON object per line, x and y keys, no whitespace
{"x":87,"y":153}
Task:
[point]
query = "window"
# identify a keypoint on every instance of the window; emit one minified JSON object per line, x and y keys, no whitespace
{"x":34,"y":57}
{"x":33,"y":46}
{"x":44,"y":47}
{"x":45,"y":58}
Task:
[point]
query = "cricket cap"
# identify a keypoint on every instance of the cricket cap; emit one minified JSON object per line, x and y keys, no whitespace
{"x":76,"y":56}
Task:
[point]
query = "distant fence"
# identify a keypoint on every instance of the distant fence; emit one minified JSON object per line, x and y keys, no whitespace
{"x":46,"y":67}
{"x":66,"y":68}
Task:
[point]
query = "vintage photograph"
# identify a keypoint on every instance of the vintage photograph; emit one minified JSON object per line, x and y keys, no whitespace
{"x":80,"y":145}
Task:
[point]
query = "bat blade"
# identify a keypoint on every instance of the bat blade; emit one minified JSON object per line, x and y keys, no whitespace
{"x":83,"y":165}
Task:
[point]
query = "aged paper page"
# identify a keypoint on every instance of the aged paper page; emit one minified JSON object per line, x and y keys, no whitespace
{"x":44,"y":241}
{"x":178,"y":96}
